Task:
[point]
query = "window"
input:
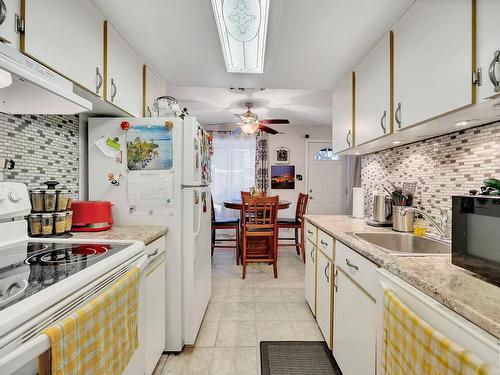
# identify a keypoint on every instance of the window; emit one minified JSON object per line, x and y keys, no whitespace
{"x":233,"y":169}
{"x":326,"y":154}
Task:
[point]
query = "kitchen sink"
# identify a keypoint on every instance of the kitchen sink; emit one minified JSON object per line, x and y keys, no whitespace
{"x":404,"y":243}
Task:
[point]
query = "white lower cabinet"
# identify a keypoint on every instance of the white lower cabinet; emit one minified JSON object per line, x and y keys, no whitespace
{"x":354,"y":327}
{"x":310,"y":276}
{"x":324,"y":296}
{"x":155,"y":305}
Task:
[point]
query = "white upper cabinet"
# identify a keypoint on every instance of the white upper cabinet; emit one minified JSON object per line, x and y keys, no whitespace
{"x":124,"y":73}
{"x":154,"y":87}
{"x":67,"y":36}
{"x":373,"y":93}
{"x":488,"y":47}
{"x":8,"y":32}
{"x":432,"y":60}
{"x":343,"y":137}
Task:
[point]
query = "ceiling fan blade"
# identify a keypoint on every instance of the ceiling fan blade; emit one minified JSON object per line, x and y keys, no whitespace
{"x":223,"y":124}
{"x":275,"y":121}
{"x":268,"y":130}
{"x":236,"y":131}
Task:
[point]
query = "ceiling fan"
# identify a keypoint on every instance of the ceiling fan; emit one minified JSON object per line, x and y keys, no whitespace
{"x":249,"y":122}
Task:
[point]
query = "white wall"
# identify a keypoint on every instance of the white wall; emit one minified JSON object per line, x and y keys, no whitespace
{"x":294,"y":139}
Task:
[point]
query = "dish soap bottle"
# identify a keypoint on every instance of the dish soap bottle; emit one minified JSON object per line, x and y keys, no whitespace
{"x":419,"y":227}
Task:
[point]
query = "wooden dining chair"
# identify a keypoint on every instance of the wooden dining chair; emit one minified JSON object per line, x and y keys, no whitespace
{"x":296,"y":223}
{"x":260,"y":231}
{"x":229,"y":223}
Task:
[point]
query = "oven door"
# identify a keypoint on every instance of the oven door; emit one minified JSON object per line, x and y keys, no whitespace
{"x":476,"y":235}
{"x":22,"y":358}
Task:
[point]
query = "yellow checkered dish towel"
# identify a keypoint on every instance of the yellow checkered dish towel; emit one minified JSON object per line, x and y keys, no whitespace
{"x":101,"y":337}
{"x":411,"y":346}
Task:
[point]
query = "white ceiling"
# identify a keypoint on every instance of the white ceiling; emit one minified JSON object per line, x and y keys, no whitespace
{"x":310,"y":44}
{"x":215,"y":105}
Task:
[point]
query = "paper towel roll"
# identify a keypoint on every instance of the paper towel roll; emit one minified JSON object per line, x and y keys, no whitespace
{"x":358,"y":202}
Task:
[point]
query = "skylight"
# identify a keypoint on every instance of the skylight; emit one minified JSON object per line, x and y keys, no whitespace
{"x":242,"y":26}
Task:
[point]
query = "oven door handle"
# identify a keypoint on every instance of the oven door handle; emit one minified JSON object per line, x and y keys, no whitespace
{"x":21,"y":291}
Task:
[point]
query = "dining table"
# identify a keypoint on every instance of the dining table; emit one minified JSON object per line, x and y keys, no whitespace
{"x":237,"y":204}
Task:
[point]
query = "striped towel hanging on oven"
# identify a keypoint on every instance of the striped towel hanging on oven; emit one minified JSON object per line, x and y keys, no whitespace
{"x":101,"y":337}
{"x":411,"y":346}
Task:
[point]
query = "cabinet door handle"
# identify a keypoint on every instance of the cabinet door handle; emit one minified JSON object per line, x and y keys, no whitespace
{"x":397,"y":115}
{"x":348,"y":138}
{"x":383,"y":121}
{"x":98,"y":77}
{"x":312,"y":254}
{"x":113,"y":89}
{"x":326,"y":272}
{"x":491,"y":71}
{"x":353,"y":266}
{"x":154,"y":253}
{"x":336,"y":273}
{"x":323,"y":243}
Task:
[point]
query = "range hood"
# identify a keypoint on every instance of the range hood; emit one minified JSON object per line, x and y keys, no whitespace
{"x":27,"y":87}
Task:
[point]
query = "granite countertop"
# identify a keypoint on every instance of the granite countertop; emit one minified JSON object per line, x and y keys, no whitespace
{"x":146,"y":234}
{"x":455,"y":287}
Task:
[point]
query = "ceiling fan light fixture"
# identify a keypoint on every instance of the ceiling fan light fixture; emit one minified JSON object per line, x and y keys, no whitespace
{"x":249,"y":127}
{"x":242,"y":27}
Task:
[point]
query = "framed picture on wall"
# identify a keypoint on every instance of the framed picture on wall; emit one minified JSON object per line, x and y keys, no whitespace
{"x":282,"y":155}
{"x":282,"y":176}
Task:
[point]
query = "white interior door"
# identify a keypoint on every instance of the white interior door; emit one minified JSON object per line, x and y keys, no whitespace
{"x":323,"y":181}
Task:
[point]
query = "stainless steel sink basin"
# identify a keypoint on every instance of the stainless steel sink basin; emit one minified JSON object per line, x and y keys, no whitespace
{"x":405,"y":243}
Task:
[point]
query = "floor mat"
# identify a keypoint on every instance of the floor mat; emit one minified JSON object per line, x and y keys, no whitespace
{"x":297,"y":357}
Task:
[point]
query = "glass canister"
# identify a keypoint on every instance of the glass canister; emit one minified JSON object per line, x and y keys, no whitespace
{"x":62,"y":199}
{"x":37,"y":200}
{"x":47,"y":224}
{"x":35,"y":221}
{"x":69,"y":220}
{"x":60,"y":222}
{"x":50,"y":199}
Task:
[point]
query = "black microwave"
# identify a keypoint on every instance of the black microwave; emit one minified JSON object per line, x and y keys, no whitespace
{"x":476,"y":235}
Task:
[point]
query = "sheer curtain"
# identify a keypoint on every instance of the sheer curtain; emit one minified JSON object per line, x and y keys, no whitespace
{"x":233,"y":169}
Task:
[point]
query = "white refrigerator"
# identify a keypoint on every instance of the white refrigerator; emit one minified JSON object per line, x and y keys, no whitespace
{"x":171,"y":191}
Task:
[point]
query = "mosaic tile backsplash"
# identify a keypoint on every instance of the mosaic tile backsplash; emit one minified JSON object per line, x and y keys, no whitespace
{"x":44,"y":147}
{"x":444,"y":166}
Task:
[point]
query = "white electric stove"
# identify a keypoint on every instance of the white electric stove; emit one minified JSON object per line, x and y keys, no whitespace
{"x":42,"y":278}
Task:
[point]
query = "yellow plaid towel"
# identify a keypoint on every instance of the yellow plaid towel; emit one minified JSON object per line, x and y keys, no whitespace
{"x":411,"y":346}
{"x":101,"y":337}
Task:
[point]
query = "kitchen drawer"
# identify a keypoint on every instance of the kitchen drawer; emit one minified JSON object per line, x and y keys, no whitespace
{"x":326,"y":244}
{"x":311,"y":232}
{"x":358,"y":268}
{"x":158,"y":244}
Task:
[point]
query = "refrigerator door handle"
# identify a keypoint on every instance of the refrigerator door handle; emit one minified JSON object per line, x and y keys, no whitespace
{"x":200,"y":167}
{"x":198,"y":228}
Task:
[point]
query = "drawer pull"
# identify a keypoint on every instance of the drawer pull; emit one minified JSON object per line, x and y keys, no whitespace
{"x":324,"y":243}
{"x":311,"y":233}
{"x":154,"y":253}
{"x":348,"y":262}
{"x":326,"y":272}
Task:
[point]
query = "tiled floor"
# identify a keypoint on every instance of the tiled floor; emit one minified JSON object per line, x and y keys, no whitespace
{"x":244,"y":312}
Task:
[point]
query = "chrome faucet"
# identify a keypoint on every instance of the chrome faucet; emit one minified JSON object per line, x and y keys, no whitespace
{"x":441,"y":226}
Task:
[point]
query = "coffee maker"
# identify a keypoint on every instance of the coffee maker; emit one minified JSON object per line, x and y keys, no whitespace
{"x":382,"y":211}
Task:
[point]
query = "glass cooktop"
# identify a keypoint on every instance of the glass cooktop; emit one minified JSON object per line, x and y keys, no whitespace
{"x":29,"y":267}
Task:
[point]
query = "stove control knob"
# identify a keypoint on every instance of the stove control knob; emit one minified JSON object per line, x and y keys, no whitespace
{"x":14,"y":196}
